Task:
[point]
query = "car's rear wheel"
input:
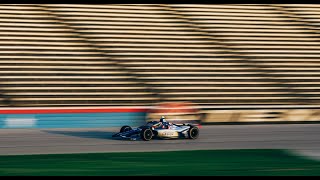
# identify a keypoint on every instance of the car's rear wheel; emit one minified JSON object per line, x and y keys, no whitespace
{"x":146,"y":134}
{"x":193,"y":132}
{"x":125,"y":128}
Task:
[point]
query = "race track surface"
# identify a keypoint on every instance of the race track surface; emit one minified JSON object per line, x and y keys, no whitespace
{"x":303,"y":138}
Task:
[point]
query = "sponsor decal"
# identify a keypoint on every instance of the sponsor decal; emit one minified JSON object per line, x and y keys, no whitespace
{"x":16,"y":122}
{"x":168,"y":133}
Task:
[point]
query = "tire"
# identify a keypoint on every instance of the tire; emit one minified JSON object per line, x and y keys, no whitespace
{"x":125,"y":128}
{"x":146,"y":134}
{"x":193,"y":132}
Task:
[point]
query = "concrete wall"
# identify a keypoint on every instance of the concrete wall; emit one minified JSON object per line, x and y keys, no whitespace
{"x":135,"y":116}
{"x":267,"y":115}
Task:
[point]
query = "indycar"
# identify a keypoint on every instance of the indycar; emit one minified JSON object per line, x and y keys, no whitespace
{"x":160,"y":130}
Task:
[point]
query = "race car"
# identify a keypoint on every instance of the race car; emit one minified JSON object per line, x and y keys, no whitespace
{"x":159,"y":129}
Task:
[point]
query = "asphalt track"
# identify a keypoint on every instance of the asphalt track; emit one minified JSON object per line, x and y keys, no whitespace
{"x":301,"y":138}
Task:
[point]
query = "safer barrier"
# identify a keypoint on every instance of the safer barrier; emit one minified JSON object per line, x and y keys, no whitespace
{"x":71,"y":117}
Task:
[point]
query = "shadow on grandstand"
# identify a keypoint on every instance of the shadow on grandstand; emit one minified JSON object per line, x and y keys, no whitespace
{"x":84,"y":134}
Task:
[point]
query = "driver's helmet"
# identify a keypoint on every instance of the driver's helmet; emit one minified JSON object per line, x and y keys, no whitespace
{"x":163,"y":119}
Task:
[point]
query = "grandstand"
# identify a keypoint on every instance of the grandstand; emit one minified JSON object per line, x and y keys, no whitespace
{"x":141,"y":54}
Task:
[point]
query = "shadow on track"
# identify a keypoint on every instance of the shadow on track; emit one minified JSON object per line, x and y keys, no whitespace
{"x":93,"y":134}
{"x":84,"y":134}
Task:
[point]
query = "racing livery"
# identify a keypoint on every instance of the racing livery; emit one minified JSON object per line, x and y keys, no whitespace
{"x":159,"y":129}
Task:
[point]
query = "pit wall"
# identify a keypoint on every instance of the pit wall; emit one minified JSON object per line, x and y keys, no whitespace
{"x":135,"y":116}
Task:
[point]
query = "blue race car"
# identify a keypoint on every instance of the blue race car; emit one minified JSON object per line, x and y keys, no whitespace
{"x":159,"y":129}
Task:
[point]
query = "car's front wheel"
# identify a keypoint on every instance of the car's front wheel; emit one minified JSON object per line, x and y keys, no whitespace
{"x":146,"y":134}
{"x":193,"y":132}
